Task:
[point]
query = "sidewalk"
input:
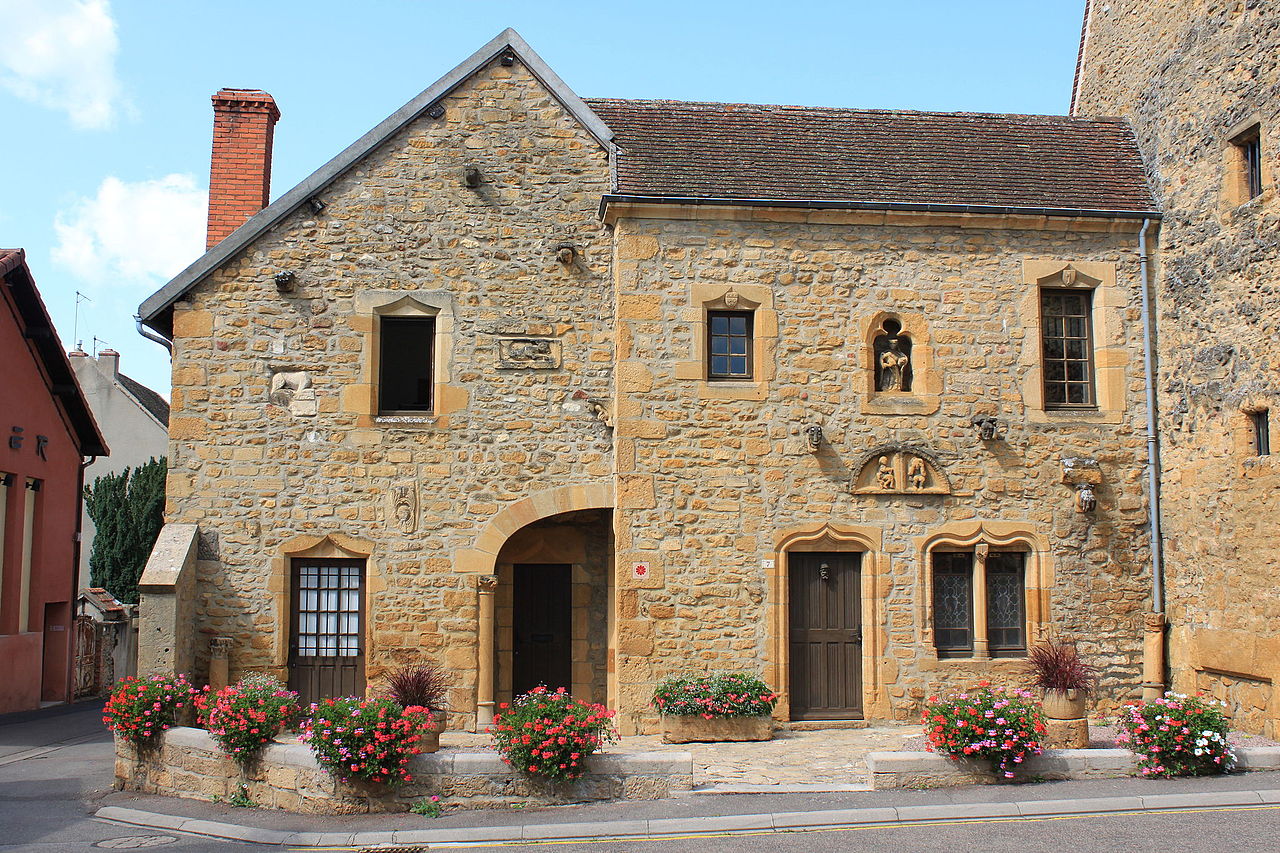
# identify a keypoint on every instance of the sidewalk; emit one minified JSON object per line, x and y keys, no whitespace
{"x":696,"y":814}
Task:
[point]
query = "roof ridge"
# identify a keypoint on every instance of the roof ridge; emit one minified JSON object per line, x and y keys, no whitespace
{"x":859,"y":110}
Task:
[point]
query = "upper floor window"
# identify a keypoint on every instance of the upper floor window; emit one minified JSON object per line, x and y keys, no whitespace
{"x":729,"y":344}
{"x":1249,"y":148}
{"x":1067,"y":347}
{"x":406,"y":353}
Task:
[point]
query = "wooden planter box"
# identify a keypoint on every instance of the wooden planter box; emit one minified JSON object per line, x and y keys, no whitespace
{"x":694,"y":729}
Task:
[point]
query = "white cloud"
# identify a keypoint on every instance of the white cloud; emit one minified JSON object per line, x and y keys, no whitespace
{"x":133,"y":232}
{"x":61,"y":54}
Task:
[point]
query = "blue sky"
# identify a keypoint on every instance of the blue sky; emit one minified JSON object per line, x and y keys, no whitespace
{"x":108,"y":122}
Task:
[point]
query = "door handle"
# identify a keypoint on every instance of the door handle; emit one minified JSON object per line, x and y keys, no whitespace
{"x":856,"y":635}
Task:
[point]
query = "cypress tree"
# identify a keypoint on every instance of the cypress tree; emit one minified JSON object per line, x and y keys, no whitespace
{"x":128,"y":511}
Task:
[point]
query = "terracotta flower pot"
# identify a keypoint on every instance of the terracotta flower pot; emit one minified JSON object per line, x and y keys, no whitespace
{"x":688,"y":729}
{"x":1064,"y":704}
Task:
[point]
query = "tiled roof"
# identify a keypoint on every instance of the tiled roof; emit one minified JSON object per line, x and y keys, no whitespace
{"x":148,"y":399}
{"x":754,"y":151}
{"x":105,"y":601}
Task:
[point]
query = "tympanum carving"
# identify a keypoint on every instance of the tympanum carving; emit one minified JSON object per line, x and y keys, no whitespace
{"x":528,"y":353}
{"x":900,"y":470}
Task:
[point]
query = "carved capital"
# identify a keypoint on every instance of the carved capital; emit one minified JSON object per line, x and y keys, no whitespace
{"x":487,"y":584}
{"x":1153,"y":622}
{"x":220,"y":648}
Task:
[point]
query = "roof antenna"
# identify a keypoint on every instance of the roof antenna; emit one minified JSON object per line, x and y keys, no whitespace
{"x":75,"y":331}
{"x":97,"y":340}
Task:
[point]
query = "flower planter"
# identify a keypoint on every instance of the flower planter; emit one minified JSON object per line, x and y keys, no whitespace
{"x":1064,"y":718}
{"x":690,"y":729}
{"x":439,"y":720}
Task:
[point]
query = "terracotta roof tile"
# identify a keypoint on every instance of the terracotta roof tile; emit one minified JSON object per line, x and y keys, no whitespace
{"x":755,"y":151}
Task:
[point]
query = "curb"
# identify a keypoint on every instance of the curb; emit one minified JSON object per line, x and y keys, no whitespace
{"x":630,"y":829}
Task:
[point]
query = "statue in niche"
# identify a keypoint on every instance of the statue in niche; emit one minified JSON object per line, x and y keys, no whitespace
{"x":916,"y":473}
{"x":893,"y":358}
{"x":885,"y":474}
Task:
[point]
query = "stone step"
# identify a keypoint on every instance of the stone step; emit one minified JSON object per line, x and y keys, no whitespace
{"x":818,"y":725}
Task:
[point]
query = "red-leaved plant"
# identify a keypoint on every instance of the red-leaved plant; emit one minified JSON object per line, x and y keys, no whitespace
{"x":549,"y":735}
{"x":140,"y":708}
{"x":422,"y":684}
{"x":245,"y":716}
{"x":1057,"y":665}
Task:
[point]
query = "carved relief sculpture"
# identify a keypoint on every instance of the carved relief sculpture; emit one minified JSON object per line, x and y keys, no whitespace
{"x":916,"y":473}
{"x":900,"y":470}
{"x":885,"y":476}
{"x":292,"y":390}
{"x":404,"y":508}
{"x":528,"y":353}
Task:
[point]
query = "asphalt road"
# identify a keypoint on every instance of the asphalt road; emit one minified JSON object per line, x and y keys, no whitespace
{"x":53,"y":764}
{"x":1200,"y":830}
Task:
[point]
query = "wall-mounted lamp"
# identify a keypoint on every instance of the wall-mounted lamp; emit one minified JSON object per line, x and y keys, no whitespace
{"x":507,"y":59}
{"x":813,"y":434}
{"x":989,"y":427}
{"x":285,"y":280}
{"x":317,"y":206}
{"x":471,"y":177}
{"x":435,"y":111}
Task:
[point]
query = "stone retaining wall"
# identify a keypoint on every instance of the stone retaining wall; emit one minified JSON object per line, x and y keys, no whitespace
{"x":930,"y":770}
{"x":188,"y":763}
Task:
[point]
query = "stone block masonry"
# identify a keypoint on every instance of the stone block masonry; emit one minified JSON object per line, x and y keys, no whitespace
{"x":188,"y":763}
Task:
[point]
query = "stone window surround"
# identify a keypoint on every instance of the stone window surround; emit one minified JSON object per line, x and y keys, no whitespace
{"x":924,"y":397}
{"x":1235,"y":189}
{"x":976,"y":536}
{"x":704,"y":298}
{"x":361,"y":398}
{"x":324,"y":546}
{"x":1110,"y":353}
{"x":1242,"y":431}
{"x":874,"y":569}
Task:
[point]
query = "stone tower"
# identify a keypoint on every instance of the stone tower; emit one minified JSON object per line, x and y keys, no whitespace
{"x":1199,"y":82}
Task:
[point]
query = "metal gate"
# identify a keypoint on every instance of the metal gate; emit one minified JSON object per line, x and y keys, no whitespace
{"x":88,"y":657}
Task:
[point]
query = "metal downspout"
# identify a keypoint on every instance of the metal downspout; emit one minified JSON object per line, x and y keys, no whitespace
{"x":150,"y":335}
{"x":1153,"y":669}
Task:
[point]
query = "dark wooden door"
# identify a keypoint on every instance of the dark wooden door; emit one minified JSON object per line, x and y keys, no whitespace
{"x":326,"y":640}
{"x":542,"y":639}
{"x":826,"y":636}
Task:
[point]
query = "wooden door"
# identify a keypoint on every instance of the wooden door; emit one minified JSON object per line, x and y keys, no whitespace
{"x":542,"y":638}
{"x":326,"y":643}
{"x":826,"y":636}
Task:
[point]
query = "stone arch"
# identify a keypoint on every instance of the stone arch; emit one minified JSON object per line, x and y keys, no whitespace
{"x":998,"y":534}
{"x":332,"y":544}
{"x":830,"y":536}
{"x":482,"y":558}
{"x":898,"y":455}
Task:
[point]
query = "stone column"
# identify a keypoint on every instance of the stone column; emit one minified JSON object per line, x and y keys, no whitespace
{"x":1153,"y":657}
{"x":981,"y":646}
{"x":219,"y":662}
{"x":487,"y":585}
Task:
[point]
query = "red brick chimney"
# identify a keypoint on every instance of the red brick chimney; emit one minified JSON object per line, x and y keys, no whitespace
{"x":244,"y":123}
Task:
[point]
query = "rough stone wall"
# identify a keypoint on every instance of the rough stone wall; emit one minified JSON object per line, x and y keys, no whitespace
{"x":1190,"y":76}
{"x":708,"y":487}
{"x":255,"y":475}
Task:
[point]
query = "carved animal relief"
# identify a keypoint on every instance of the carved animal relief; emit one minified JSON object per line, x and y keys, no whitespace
{"x":292,"y":390}
{"x":528,"y":354}
{"x":402,"y":508}
{"x":897,"y":471}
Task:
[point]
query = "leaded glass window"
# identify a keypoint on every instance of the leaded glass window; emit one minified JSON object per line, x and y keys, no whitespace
{"x":1006,"y":604}
{"x":729,"y":344}
{"x":1067,"y":347}
{"x":953,"y":603}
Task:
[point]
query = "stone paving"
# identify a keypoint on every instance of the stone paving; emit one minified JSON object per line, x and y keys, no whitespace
{"x":826,"y":758}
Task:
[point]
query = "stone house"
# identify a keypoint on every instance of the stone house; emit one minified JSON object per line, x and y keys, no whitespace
{"x":133,"y":418}
{"x":1200,"y":85}
{"x":592,"y":392}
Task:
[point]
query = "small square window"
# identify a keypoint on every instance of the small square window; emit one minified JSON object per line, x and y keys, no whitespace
{"x":729,"y":344}
{"x":1248,"y":152}
{"x":405,"y":357}
{"x":1261,"y":422}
